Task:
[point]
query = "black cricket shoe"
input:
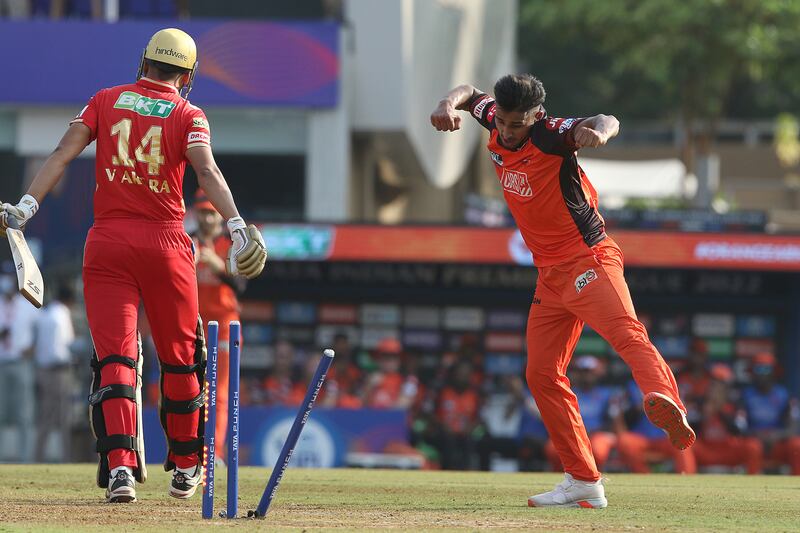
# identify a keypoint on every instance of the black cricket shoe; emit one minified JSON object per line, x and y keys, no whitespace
{"x":121,"y":488}
{"x":184,"y":484}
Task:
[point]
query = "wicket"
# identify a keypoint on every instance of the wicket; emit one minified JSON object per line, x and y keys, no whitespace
{"x":233,"y":417}
{"x":294,"y":434}
{"x":209,"y":448}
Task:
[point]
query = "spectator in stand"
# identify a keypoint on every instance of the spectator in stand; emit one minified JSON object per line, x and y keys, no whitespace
{"x":596,"y":407}
{"x":532,"y":437}
{"x":721,"y":439}
{"x":639,"y":442}
{"x":17,"y":398}
{"x":60,"y":9}
{"x":774,"y":416}
{"x":694,"y":380}
{"x":387,"y":387}
{"x":457,"y":411}
{"x":345,"y":376}
{"x":331,"y":394}
{"x":15,"y":9}
{"x":279,"y":384}
{"x":54,"y":335}
{"x":502,"y":413}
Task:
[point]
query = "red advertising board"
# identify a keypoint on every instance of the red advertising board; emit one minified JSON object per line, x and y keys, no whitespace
{"x":447,"y":244}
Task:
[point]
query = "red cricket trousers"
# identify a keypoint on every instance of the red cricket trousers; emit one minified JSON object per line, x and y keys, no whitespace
{"x":126,"y":261}
{"x":589,"y":290}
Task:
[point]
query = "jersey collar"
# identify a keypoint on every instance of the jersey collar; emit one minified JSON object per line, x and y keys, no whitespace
{"x":156,"y":85}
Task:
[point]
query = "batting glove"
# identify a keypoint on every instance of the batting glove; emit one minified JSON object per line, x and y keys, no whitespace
{"x":248,"y":255}
{"x":20,"y":213}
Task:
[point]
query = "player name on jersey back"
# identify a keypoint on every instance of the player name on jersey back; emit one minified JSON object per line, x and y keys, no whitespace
{"x":143,"y":132}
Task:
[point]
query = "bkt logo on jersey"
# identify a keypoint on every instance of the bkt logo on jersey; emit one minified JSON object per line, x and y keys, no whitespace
{"x":584,"y":279}
{"x":147,"y":107}
{"x":497,"y":158}
{"x":517,"y":183}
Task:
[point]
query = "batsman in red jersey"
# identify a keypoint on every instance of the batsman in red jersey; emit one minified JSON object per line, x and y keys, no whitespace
{"x":580,"y":269}
{"x":137,"y":251}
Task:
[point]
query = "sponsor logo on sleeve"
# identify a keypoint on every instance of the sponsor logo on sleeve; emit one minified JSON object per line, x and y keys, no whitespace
{"x":478,"y":109}
{"x":517,"y":183}
{"x":497,"y":158}
{"x":199,"y":137}
{"x":199,"y":122}
{"x":567,"y":124}
{"x":584,"y":279}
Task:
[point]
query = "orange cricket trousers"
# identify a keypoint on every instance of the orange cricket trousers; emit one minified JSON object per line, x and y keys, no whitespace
{"x":223,"y":372}
{"x":635,"y":450}
{"x":732,"y":451}
{"x":589,"y":290}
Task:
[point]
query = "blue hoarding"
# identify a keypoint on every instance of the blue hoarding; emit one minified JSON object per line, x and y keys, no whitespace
{"x":329,"y":434}
{"x":240,"y":63}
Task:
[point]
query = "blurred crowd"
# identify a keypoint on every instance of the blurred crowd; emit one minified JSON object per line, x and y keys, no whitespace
{"x":37,"y":386}
{"x":462,"y":418}
{"x":459,"y":415}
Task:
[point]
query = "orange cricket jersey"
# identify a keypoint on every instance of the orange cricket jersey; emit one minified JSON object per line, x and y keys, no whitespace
{"x":216,"y":296}
{"x":547,"y":192}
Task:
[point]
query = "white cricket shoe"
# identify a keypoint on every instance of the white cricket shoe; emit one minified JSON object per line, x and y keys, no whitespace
{"x":185,"y":482}
{"x":572,"y":493}
{"x":121,"y":486}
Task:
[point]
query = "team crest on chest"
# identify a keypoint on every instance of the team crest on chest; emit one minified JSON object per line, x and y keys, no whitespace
{"x":516,"y":182}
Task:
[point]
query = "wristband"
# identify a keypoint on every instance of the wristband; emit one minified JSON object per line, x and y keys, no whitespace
{"x":236,"y":223}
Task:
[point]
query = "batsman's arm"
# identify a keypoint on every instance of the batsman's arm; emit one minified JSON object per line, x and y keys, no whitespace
{"x":76,"y":138}
{"x":211,"y":180}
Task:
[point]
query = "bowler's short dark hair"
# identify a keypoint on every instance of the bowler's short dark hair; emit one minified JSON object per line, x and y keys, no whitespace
{"x":518,"y":92}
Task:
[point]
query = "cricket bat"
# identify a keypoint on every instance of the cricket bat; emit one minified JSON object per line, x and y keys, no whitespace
{"x":29,"y":278}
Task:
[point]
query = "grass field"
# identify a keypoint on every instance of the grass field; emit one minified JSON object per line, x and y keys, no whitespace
{"x":64,"y":498}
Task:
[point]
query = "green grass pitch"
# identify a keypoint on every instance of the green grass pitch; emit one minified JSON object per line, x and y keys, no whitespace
{"x":64,"y":498}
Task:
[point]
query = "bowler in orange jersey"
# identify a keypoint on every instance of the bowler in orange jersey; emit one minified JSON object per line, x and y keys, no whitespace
{"x":580,"y":269}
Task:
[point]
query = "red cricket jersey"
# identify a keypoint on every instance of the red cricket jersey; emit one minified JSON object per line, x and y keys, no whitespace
{"x":547,"y":192}
{"x":143,"y":131}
